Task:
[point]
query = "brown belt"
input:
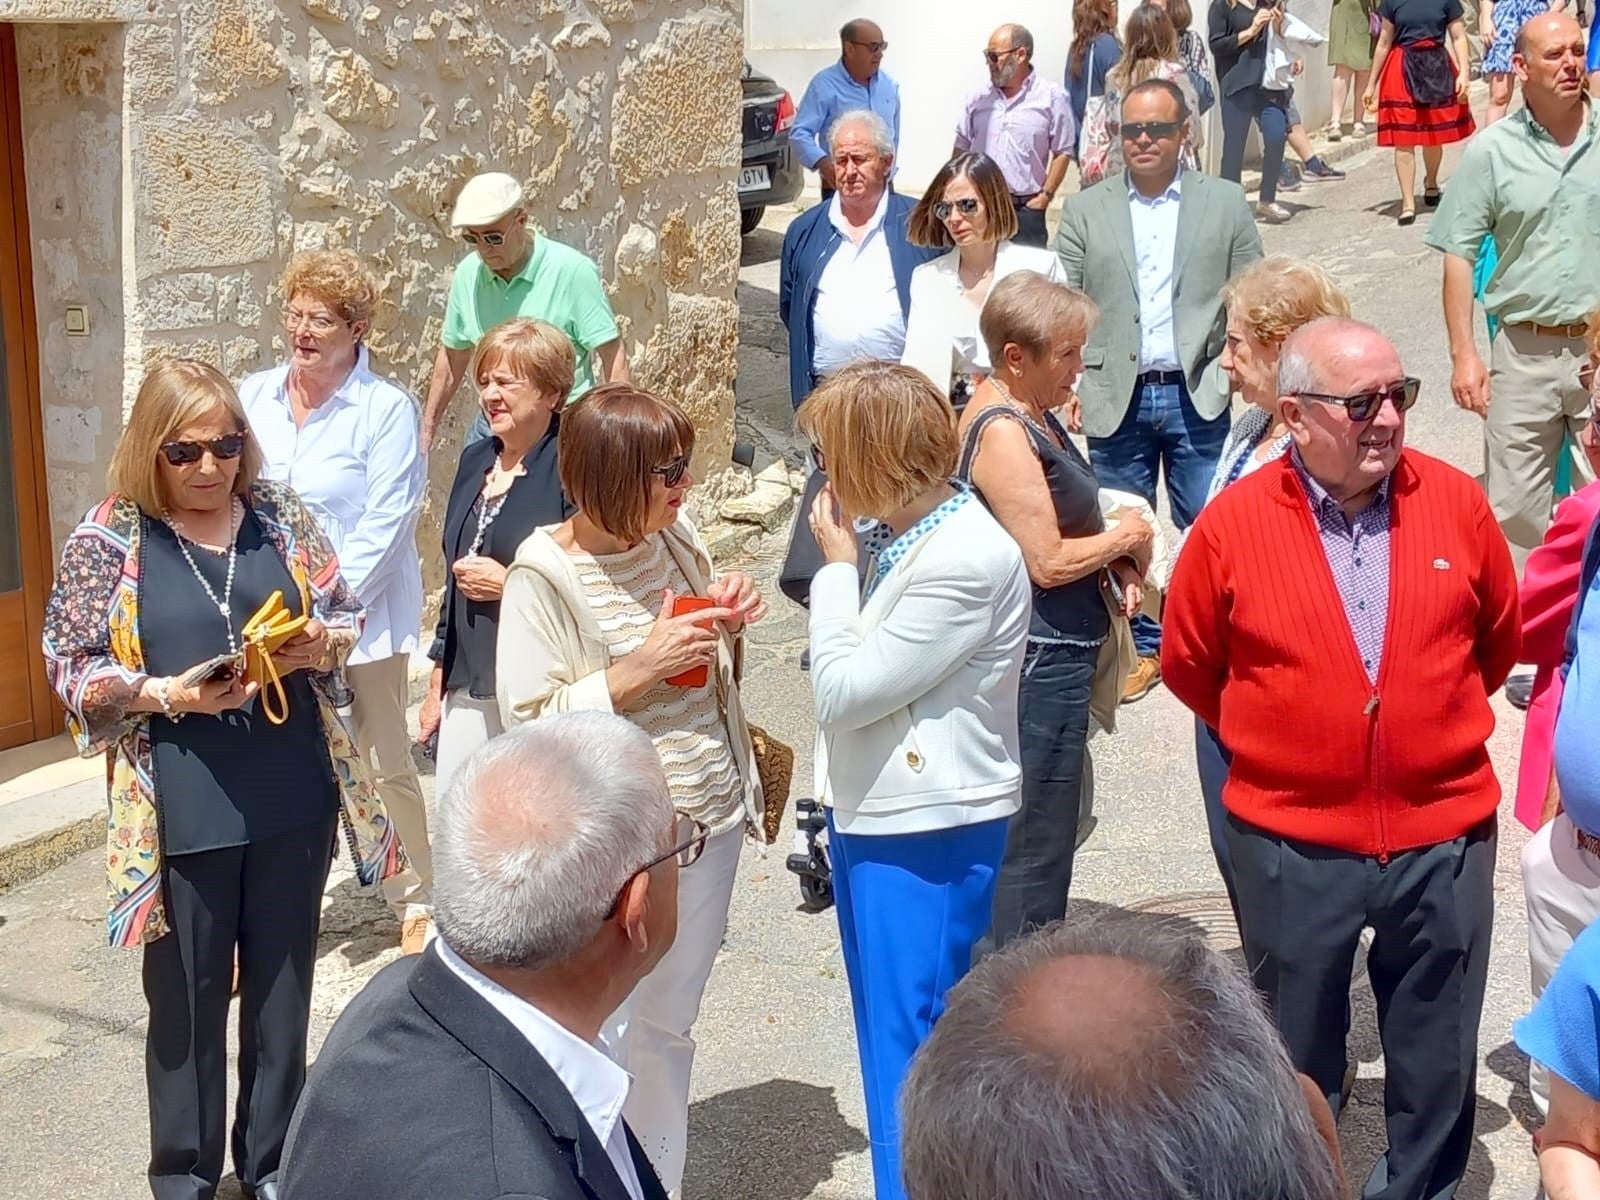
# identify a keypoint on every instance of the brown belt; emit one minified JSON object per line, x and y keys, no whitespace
{"x":1588,"y":841}
{"x":1578,"y":330}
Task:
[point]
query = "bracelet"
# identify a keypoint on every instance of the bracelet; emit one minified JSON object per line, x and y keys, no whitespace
{"x":163,"y":695}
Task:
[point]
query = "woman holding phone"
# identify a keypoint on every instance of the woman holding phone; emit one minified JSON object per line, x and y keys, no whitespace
{"x":222,"y":816}
{"x":591,"y":619}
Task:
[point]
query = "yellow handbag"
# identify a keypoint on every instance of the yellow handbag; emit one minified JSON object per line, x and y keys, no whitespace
{"x":264,"y":633}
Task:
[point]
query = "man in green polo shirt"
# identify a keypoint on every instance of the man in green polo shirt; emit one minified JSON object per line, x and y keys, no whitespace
{"x":513,"y":273}
{"x":1532,"y":180}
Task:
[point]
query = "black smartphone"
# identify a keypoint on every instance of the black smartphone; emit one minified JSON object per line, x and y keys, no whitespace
{"x":224,"y":666}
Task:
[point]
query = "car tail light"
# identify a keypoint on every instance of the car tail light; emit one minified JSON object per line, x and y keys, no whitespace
{"x":785,"y":112}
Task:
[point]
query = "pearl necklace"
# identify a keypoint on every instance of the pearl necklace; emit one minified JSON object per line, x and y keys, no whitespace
{"x":1013,"y":402}
{"x":225,"y":603}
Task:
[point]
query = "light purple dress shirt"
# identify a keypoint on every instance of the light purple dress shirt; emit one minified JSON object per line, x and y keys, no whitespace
{"x":1021,"y":133}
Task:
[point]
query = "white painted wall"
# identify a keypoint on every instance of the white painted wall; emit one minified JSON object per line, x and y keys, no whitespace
{"x":935,"y":54}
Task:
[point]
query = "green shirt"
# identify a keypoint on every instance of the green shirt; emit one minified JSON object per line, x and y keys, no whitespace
{"x":557,"y":284}
{"x":1542,"y":206}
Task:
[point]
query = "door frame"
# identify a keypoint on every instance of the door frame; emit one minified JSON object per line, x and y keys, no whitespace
{"x":20,"y":331}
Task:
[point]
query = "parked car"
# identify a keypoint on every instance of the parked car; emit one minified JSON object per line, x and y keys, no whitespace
{"x":771,"y":172}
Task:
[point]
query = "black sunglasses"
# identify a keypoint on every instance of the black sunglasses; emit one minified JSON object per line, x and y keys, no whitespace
{"x":689,"y":836}
{"x":993,"y":57}
{"x":819,"y":458}
{"x":672,"y":474}
{"x":491,"y":238}
{"x":1154,"y":130}
{"x":181,"y":454}
{"x":966,"y":206}
{"x":1365,"y":405}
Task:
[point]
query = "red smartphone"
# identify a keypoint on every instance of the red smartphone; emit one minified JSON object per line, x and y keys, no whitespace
{"x":694,"y":676}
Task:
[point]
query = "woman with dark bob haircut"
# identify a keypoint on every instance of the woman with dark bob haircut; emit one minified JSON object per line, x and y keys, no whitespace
{"x":594,"y":616}
{"x":968,"y":209}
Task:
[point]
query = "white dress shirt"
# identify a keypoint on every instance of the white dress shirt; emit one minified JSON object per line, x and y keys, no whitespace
{"x":857,"y":314}
{"x":357,"y":465}
{"x":942,"y":337}
{"x":598,"y":1086}
{"x":1155,"y":246}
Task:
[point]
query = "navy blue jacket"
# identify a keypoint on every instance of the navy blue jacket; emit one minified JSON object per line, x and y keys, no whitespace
{"x":807,"y":247}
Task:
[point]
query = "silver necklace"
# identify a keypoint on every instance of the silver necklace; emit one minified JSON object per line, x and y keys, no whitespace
{"x":225,"y":603}
{"x":1019,"y":407}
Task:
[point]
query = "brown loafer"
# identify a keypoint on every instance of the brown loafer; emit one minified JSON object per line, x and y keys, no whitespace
{"x":414,"y":934}
{"x":1145,"y":675}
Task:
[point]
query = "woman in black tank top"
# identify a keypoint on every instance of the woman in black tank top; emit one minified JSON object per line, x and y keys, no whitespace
{"x":1020,"y":461}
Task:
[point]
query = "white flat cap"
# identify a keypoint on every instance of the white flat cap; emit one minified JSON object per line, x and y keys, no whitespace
{"x":485,"y":198}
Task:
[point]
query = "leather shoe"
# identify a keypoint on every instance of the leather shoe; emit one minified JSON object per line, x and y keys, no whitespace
{"x":1519,"y":690}
{"x":414,"y":934}
{"x":1145,"y":675}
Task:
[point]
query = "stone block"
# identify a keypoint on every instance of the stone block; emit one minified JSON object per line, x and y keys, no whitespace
{"x":72,"y":434}
{"x":769,"y":503}
{"x":205,"y":199}
{"x":230,"y":47}
{"x":351,"y":91}
{"x":184,"y":301}
{"x":691,"y":357}
{"x":150,"y":63}
{"x":206,"y":350}
{"x":239,"y":301}
{"x":241,"y":355}
{"x":676,"y":108}
{"x":87,"y":61}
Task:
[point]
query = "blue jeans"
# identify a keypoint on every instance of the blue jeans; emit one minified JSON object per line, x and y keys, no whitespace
{"x":1053,"y":723}
{"x":1161,"y":432}
{"x":478,"y":431}
{"x":911,"y":906}
{"x":1269,"y":110}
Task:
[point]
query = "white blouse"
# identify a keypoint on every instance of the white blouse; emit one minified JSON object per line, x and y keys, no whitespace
{"x":942,"y":338}
{"x":358,"y":466}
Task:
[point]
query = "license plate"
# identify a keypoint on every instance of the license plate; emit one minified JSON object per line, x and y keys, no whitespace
{"x":754,"y":179}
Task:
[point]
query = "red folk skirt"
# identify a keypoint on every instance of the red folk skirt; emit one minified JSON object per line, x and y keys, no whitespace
{"x":1403,"y":122}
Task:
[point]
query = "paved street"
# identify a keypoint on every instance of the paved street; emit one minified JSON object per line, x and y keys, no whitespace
{"x":778,"y":1111}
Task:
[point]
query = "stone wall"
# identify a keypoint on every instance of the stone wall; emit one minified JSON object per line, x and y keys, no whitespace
{"x":194,"y":146}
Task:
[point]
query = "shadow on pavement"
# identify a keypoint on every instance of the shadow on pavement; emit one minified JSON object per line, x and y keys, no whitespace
{"x":761,"y":246}
{"x":1511,"y":1064}
{"x":356,"y":922}
{"x":797,"y":1126}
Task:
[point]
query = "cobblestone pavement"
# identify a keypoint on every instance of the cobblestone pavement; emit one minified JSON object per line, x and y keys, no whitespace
{"x":777,"y":1113}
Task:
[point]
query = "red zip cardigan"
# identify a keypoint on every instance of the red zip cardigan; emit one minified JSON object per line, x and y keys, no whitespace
{"x":1255,"y":640}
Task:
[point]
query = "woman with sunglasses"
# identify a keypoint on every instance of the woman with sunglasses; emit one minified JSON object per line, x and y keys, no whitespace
{"x":915,"y":685}
{"x":619,"y":608}
{"x":506,"y":486}
{"x":968,"y":209}
{"x":346,"y":439}
{"x":222,"y":819}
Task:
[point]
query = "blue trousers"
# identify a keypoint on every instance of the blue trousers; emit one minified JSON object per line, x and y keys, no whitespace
{"x":911,"y":906}
{"x":477,"y":431}
{"x":1212,"y":759}
{"x":1267,"y":109}
{"x":1161,"y":432}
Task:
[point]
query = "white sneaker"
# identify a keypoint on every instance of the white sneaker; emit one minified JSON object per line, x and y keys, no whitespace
{"x":1272,"y":214}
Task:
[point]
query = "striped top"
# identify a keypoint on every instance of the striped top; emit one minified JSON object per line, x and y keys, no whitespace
{"x":686,"y":724}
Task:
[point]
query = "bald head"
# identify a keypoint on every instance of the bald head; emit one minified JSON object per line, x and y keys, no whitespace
{"x":1549,"y":59}
{"x":1546,"y":29}
{"x":1319,"y":351}
{"x":1108,"y":1057}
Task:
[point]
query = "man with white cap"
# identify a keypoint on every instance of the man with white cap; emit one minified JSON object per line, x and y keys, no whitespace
{"x":513,"y":273}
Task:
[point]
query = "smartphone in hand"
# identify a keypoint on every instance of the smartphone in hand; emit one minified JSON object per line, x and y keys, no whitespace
{"x":694,"y":676}
{"x":223,"y":666}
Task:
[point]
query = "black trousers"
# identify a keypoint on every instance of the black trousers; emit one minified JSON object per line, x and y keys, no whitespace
{"x":264,"y":898}
{"x":1301,"y":912}
{"x":1031,"y":227}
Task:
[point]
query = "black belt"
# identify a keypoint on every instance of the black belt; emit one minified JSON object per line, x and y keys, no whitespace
{"x":1159,"y":378}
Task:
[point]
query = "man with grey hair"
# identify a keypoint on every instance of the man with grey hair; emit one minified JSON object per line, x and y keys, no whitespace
{"x":1340,"y":618}
{"x":1022,"y":121}
{"x":1033,"y":1087}
{"x":473,"y":1069}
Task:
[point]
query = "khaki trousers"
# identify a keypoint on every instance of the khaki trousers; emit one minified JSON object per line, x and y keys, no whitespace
{"x":1535,"y":401}
{"x":381,"y":735}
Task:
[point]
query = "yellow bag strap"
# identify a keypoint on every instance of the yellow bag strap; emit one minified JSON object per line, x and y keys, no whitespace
{"x":272,"y":684}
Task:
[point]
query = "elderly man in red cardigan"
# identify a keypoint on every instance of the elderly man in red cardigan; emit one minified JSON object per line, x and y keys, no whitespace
{"x":1341,"y":618}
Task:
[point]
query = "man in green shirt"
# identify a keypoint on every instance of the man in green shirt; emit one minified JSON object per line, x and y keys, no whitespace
{"x":513,"y":273}
{"x":1532,"y":180}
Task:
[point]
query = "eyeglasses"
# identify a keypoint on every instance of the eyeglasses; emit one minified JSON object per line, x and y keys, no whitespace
{"x":872,"y":47}
{"x":182,"y":454}
{"x":672,"y":474}
{"x":818,"y":457}
{"x":993,"y":57}
{"x":493,"y":237}
{"x":966,"y":206}
{"x":1365,"y":405}
{"x":1154,"y":130}
{"x":320,"y":324}
{"x":689,"y":842}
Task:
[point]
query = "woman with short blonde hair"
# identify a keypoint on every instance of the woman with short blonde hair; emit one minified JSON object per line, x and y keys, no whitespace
{"x":968,"y":208}
{"x":914,"y":682}
{"x":597,"y":615}
{"x":506,"y":486}
{"x":222,"y":808}
{"x":1042,"y":490}
{"x":346,"y":437}
{"x":1266,"y":302}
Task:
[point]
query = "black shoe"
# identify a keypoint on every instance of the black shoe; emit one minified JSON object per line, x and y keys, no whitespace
{"x":1430,"y":197}
{"x":1406,"y":218}
{"x":1519,"y":691}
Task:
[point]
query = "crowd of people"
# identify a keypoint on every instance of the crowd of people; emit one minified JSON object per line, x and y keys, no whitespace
{"x":987,"y":417}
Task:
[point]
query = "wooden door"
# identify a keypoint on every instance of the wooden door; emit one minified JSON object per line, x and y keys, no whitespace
{"x":27,"y":710}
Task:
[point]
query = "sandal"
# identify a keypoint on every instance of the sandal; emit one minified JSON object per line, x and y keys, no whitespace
{"x":1359,"y":130}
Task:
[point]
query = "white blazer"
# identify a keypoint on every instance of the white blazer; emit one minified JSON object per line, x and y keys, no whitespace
{"x":942,"y":328}
{"x":916,"y":691}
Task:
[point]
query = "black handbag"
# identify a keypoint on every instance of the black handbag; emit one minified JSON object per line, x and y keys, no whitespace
{"x":1430,"y":76}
